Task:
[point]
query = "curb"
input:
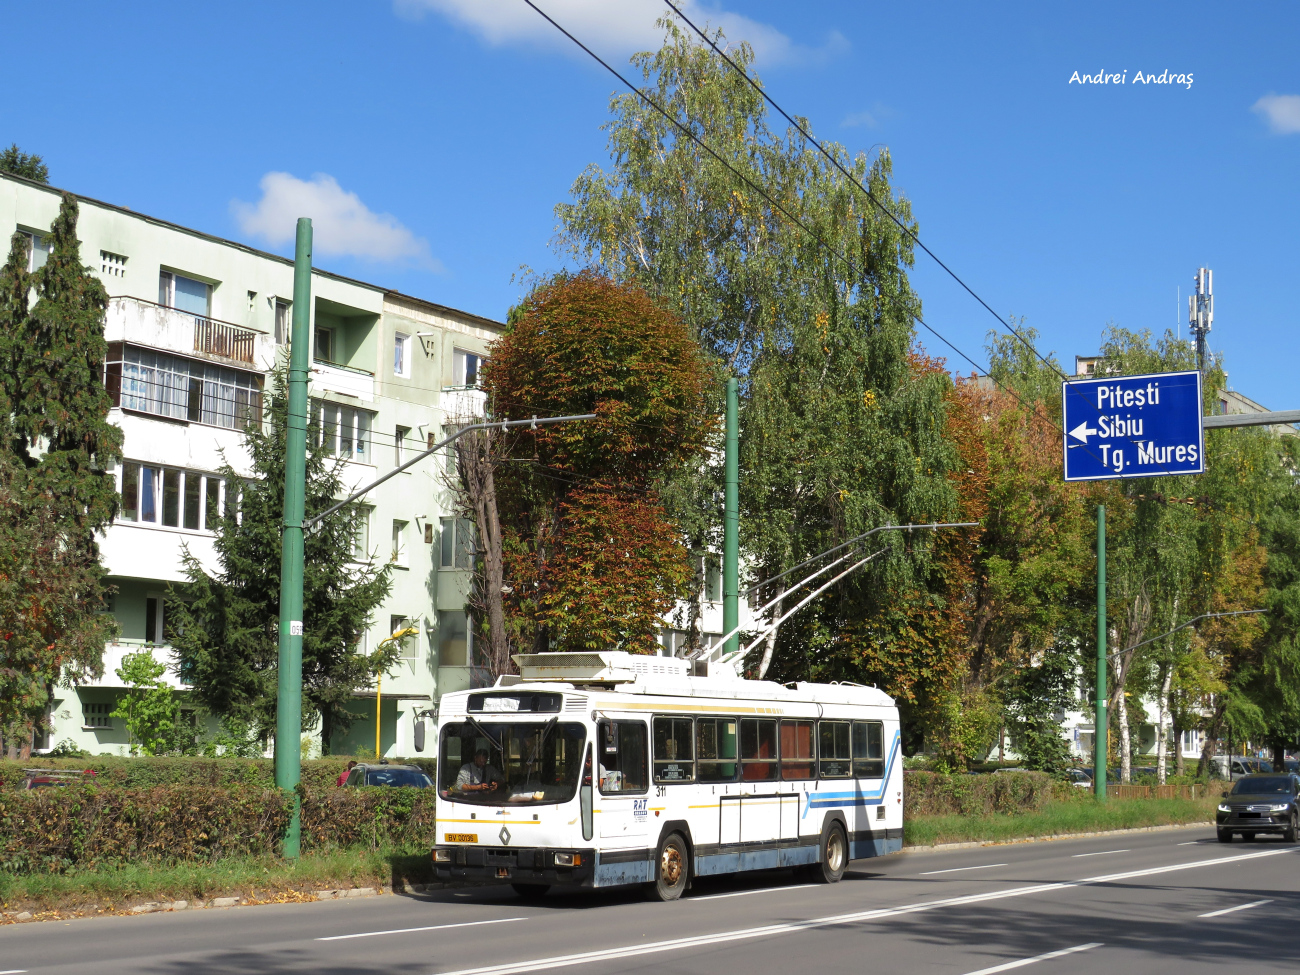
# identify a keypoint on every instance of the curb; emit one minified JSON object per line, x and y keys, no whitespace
{"x":973,"y":844}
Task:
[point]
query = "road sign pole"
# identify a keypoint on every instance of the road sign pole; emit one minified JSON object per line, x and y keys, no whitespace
{"x":288,"y":712}
{"x":1099,"y":735}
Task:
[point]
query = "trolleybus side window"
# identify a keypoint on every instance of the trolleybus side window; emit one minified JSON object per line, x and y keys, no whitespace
{"x":868,"y":750}
{"x":757,"y":750}
{"x":715,"y":749}
{"x":796,"y":750}
{"x":834,"y":758}
{"x":624,"y":760}
{"x":674,"y":757}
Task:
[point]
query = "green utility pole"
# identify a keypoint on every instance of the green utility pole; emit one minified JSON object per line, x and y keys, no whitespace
{"x":731,"y":523}
{"x":288,"y":714}
{"x":1099,"y":736}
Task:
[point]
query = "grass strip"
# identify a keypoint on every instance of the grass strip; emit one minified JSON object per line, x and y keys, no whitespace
{"x":1080,"y":816}
{"x":255,"y":879}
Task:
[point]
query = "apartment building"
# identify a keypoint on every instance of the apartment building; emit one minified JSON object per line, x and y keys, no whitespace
{"x":195,"y":324}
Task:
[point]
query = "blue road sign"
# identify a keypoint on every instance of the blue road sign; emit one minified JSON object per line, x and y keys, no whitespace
{"x":1133,"y":426}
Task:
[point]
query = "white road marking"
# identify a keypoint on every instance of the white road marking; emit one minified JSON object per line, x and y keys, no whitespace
{"x":1151,"y":871}
{"x":743,"y":934}
{"x":746,"y":893}
{"x":13,"y":971}
{"x":1100,"y":854}
{"x":1226,"y":910}
{"x":1007,"y":966}
{"x":432,"y":927}
{"x":1191,"y":842}
{"x":986,"y":866}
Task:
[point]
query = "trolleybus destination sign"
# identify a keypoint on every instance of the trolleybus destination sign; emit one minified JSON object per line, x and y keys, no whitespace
{"x":1133,"y":426}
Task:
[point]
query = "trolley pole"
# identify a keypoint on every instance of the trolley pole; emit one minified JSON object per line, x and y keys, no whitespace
{"x":288,"y":714}
{"x":1099,"y":736}
{"x":731,"y":523}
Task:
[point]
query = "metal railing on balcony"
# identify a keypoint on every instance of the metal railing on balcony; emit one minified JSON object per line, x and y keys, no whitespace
{"x":214,"y":337}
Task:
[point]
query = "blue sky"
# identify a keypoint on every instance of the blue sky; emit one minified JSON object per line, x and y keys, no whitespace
{"x":433,"y":138}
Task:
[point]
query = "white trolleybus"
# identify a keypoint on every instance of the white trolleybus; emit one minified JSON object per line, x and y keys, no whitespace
{"x":601,"y":769}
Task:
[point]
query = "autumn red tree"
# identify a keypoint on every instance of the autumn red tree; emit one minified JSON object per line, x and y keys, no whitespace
{"x":590,"y":559}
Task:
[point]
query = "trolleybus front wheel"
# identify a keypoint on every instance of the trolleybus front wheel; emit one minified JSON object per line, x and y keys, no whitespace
{"x":673,"y":869}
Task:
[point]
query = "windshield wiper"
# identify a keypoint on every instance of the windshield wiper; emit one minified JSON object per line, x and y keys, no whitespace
{"x":485,"y":733}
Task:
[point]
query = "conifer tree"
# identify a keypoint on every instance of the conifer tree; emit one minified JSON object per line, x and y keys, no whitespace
{"x":55,"y":493}
{"x":14,"y":160}
{"x":227,"y":623}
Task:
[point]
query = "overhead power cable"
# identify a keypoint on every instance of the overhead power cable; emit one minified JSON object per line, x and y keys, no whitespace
{"x":776,"y":204}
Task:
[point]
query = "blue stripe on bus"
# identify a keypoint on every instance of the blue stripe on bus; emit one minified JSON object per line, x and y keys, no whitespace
{"x":822,"y":800}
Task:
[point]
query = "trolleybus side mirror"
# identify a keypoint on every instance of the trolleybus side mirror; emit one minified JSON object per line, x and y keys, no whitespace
{"x":419,"y":735}
{"x":611,"y":741}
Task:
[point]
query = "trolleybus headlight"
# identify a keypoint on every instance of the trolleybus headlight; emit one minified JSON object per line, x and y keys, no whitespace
{"x":442,"y":856}
{"x":568,"y":859}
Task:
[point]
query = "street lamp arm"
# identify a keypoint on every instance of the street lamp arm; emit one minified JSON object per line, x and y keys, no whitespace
{"x":499,"y":425}
{"x":1183,"y":626}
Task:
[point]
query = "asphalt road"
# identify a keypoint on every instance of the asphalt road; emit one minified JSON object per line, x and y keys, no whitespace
{"x":1175,"y":901}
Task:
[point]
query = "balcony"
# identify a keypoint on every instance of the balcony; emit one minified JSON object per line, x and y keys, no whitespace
{"x":333,"y":378}
{"x":212,"y":337}
{"x":155,"y":326}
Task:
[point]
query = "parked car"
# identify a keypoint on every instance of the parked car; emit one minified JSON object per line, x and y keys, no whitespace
{"x":385,"y":774}
{"x":46,"y":778}
{"x":1079,"y":778}
{"x":1260,"y":804}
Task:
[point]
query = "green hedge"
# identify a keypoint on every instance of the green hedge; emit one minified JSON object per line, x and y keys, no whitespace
{"x":936,"y":794}
{"x":63,"y":830}
{"x":141,"y":773}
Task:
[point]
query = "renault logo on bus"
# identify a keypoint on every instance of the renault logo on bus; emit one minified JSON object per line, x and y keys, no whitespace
{"x":505,"y":836}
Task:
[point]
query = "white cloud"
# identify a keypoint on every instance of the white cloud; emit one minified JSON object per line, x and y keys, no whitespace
{"x":1282,"y":112}
{"x":342,"y":226}
{"x":854,"y":119}
{"x":610,"y":26}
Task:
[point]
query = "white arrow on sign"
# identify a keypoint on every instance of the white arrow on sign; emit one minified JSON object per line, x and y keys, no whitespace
{"x":1083,"y":431}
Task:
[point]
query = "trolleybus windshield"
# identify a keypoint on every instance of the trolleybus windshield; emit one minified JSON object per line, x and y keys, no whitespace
{"x":497,"y":762}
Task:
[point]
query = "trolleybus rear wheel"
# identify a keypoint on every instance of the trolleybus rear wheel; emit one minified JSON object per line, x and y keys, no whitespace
{"x":834,"y":856}
{"x":673,"y":869}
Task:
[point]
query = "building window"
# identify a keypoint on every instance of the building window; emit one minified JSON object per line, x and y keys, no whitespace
{"x":453,"y":470}
{"x":112,"y":265}
{"x":324,"y":348}
{"x":283,"y":322}
{"x":465,"y":368}
{"x":399,"y":445}
{"x":401,"y":355}
{"x":409,"y":648}
{"x":154,"y":623}
{"x":361,"y":535}
{"x":399,"y":543}
{"x":457,"y":549}
{"x":343,"y":431}
{"x":184,"y":294}
{"x":38,"y":249}
{"x":453,"y":639}
{"x":96,"y":715}
{"x":168,"y":385}
{"x":169,"y":497}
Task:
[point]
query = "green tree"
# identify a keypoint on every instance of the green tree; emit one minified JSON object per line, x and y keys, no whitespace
{"x":149,"y":706}
{"x":56,"y":445}
{"x":591,"y":559}
{"x":1035,"y":698}
{"x":226,"y":623}
{"x":14,"y":160}
{"x":841,"y":429}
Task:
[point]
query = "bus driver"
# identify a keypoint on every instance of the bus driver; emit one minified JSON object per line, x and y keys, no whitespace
{"x":478,"y":775}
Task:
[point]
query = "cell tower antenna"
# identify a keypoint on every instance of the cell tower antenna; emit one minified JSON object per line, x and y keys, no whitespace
{"x":1200,"y":312}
